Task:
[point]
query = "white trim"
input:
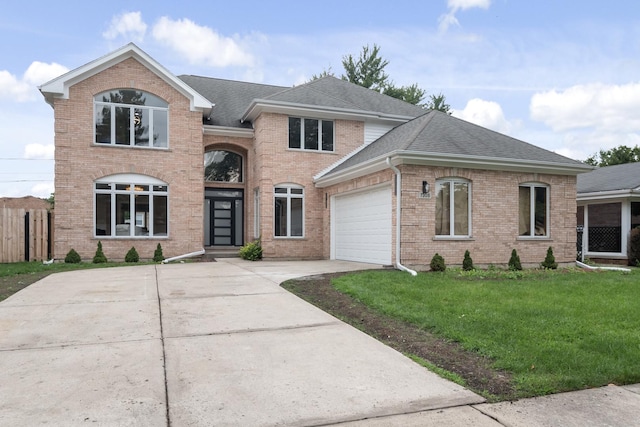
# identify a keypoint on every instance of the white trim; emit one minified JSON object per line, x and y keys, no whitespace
{"x":532,"y":210}
{"x":453,"y":180}
{"x":228,"y":131}
{"x":59,"y":87}
{"x":288,"y":196}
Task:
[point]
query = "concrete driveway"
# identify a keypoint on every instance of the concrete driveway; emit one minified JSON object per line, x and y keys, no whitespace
{"x":199,"y":344}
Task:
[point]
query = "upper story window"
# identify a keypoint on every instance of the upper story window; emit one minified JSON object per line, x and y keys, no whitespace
{"x":127,"y":117}
{"x":222,"y":166}
{"x":310,"y":134}
{"x":453,"y":208}
{"x":533,"y":202}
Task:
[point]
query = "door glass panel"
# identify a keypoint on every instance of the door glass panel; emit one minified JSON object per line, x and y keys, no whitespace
{"x":222,"y":223}
{"x":222,"y":241}
{"x":221,"y":205}
{"x":221,"y":214}
{"x":238,"y":223}
{"x":223,"y":232}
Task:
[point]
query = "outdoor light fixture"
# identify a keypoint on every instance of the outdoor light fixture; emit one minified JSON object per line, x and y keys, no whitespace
{"x":425,"y":187}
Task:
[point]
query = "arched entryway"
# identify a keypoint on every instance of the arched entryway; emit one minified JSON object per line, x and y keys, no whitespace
{"x":223,"y":198}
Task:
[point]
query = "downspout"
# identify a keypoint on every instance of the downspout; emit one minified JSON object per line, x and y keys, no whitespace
{"x":399,"y":266}
{"x":189,"y":255}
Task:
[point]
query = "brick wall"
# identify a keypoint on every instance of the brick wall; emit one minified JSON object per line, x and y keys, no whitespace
{"x":494,"y":217}
{"x":78,"y":162}
{"x":276,"y":164}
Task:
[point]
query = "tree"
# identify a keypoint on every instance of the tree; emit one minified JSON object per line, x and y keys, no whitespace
{"x":368,"y":71}
{"x":615,"y":156}
{"x":438,"y":102}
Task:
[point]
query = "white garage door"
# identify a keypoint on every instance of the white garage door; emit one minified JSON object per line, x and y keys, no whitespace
{"x":362,"y":226}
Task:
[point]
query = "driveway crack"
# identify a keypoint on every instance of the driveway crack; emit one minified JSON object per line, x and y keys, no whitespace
{"x":164,"y":354}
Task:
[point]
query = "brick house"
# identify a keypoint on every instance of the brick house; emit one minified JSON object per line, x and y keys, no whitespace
{"x":608,"y":209}
{"x":324,"y":170}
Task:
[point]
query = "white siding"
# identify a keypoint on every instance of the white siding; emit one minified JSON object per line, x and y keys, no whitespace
{"x":373,"y":131}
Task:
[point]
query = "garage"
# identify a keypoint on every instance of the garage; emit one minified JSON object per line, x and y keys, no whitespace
{"x":361,"y":226}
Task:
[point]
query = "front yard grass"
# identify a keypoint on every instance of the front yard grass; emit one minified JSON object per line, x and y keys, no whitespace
{"x":554,"y":331}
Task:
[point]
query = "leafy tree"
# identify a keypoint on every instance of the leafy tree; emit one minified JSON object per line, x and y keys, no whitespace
{"x":411,"y":94}
{"x":326,"y":72}
{"x":368,"y":70}
{"x":615,"y":156}
{"x":438,"y":102}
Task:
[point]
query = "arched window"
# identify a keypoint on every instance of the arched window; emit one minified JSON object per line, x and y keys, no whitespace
{"x":453,"y":207}
{"x":131,"y":205}
{"x":222,"y":166}
{"x":128,"y":117}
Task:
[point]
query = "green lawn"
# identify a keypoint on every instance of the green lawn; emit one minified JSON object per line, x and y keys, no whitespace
{"x":554,"y":330}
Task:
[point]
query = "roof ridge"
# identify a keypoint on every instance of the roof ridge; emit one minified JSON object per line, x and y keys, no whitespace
{"x":233,"y":81}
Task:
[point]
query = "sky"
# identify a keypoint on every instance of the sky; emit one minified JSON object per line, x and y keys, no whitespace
{"x":561,"y":75}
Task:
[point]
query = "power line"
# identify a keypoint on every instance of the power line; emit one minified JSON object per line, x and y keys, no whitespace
{"x":20,"y":158}
{"x":26,"y":180}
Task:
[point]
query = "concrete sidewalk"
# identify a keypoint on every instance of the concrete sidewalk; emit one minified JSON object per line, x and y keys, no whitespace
{"x":220,"y":343}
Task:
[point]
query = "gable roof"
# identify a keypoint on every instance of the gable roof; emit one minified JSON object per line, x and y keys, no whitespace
{"x":334,"y":98}
{"x":59,"y":87}
{"x":623,"y":178}
{"x":438,"y":139}
{"x":230,"y":98}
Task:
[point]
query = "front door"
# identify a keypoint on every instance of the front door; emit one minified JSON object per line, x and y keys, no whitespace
{"x":223,"y":217}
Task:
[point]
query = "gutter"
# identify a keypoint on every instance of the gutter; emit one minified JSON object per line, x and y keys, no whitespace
{"x":588,"y":267}
{"x":189,"y":255}
{"x":399,"y":266}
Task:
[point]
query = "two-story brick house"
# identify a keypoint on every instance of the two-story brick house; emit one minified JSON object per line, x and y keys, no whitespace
{"x":324,"y":170}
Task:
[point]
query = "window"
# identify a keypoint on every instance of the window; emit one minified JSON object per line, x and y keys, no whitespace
{"x":128,"y":117}
{"x":310,"y":134}
{"x":453,"y":208}
{"x":533,"y":203}
{"x":288,"y":209}
{"x":125,"y":207}
{"x":222,"y":166}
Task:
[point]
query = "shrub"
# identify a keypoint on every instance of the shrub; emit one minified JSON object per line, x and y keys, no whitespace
{"x":72,"y":257}
{"x":251,"y":251}
{"x":549,"y":261}
{"x":132,"y":255}
{"x":467,"y":262}
{"x":514,"y":261}
{"x":157,"y":254}
{"x":633,"y":248}
{"x":99,"y":257}
{"x":437,"y":263}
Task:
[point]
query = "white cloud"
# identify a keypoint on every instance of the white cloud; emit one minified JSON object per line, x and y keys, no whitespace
{"x":449,"y":18}
{"x":25,"y":88}
{"x":38,"y":151}
{"x":43,"y":189}
{"x":200,"y":45}
{"x":488,"y":114}
{"x":129,"y":25}
{"x":612,"y":107}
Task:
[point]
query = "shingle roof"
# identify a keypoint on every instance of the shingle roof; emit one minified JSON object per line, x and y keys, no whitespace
{"x":610,"y":178}
{"x":230,"y":97}
{"x":438,"y":133}
{"x":332,"y":92}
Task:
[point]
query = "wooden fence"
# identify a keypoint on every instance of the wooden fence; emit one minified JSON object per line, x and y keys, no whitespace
{"x":25,"y":235}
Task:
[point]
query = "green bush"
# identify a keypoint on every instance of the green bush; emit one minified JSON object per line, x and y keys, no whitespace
{"x":251,"y":251}
{"x":514,"y":261}
{"x":72,"y":257}
{"x":157,"y":254}
{"x":467,"y":262}
{"x":99,"y":257}
{"x":132,"y":255}
{"x":437,"y":263}
{"x":549,"y":261}
{"x":633,"y":248}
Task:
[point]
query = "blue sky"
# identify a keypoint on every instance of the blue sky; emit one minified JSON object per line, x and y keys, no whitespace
{"x":561,"y":75}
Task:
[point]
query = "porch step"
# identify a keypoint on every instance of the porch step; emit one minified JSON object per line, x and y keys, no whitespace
{"x":213,"y":252}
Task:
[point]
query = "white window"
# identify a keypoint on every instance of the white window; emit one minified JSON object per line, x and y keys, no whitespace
{"x":310,"y":134}
{"x":127,"y":117}
{"x":130,"y":206}
{"x":288,"y":211}
{"x":453,"y":208}
{"x":533,"y":201}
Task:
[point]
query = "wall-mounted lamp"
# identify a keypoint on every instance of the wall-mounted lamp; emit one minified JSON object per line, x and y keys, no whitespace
{"x":426,"y":190}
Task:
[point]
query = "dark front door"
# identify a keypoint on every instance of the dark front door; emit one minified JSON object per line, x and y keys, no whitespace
{"x":224,"y":214}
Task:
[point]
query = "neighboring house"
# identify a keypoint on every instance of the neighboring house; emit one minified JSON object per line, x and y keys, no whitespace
{"x":324,"y":170}
{"x":26,"y":202}
{"x":608,"y":208}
